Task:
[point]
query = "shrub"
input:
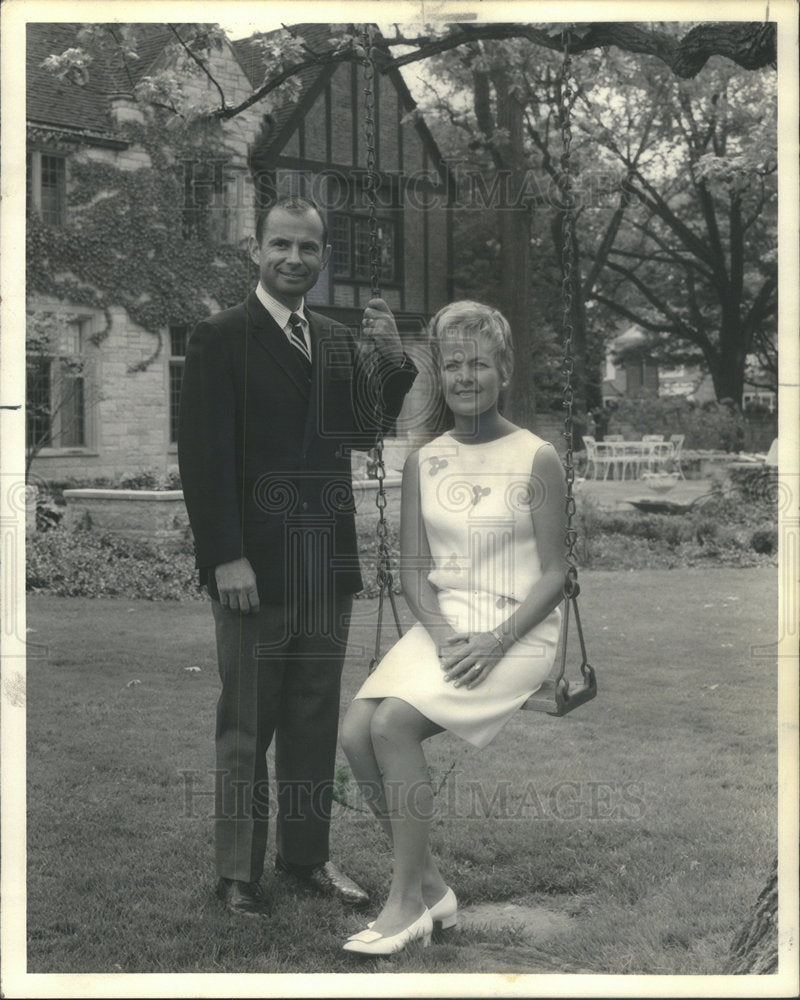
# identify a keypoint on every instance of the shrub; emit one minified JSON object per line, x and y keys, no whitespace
{"x":765,"y":540}
{"x":758,"y":482}
{"x":54,"y":488}
{"x":715,"y":426}
{"x":88,"y":564}
{"x":719,"y":529}
{"x":144,"y":479}
{"x":48,"y":512}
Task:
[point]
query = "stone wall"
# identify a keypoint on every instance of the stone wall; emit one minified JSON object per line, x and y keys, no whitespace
{"x":127,"y":411}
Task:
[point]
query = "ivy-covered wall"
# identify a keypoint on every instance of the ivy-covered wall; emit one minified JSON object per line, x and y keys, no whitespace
{"x":125,"y":259}
{"x":124,"y":242}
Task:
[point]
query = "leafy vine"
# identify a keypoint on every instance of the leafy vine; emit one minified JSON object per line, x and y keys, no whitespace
{"x":126,"y":243}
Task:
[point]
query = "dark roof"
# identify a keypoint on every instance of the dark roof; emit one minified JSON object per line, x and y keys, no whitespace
{"x":85,"y":109}
{"x":60,"y":103}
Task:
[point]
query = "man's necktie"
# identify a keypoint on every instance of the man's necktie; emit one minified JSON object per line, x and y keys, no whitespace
{"x":297,"y":338}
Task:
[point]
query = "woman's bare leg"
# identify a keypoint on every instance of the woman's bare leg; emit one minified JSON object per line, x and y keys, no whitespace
{"x":398,"y":730}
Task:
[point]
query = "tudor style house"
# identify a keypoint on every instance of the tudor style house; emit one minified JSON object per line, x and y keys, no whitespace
{"x":103,"y":401}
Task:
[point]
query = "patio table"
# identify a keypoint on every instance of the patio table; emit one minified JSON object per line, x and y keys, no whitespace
{"x":639,"y":454}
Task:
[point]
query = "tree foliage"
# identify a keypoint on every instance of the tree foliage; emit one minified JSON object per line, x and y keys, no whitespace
{"x":695,"y":265}
{"x":675,"y":183}
{"x":681,"y":242}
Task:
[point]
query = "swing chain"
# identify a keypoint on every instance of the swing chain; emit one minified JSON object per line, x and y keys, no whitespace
{"x":565,"y":94}
{"x":385,"y":579}
{"x":372,"y":181}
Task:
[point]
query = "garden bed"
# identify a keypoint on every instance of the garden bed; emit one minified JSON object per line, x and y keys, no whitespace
{"x":728,"y":530}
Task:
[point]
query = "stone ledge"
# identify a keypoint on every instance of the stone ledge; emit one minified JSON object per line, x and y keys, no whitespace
{"x":157,"y":516}
{"x":112,"y":494}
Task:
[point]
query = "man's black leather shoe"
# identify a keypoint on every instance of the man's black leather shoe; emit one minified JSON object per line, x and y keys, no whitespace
{"x":326,"y":879}
{"x":245,"y":899}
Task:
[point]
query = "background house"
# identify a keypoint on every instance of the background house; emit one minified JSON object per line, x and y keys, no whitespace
{"x":105,"y":402}
{"x":638,"y":373}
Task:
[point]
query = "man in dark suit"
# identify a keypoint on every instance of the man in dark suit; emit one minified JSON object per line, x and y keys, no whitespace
{"x":274,"y":396}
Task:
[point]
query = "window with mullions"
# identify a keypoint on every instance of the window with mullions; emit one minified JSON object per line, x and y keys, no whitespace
{"x":56,"y":382}
{"x":46,"y":187}
{"x":205,"y":213}
{"x":351,"y":248}
{"x":178,"y":336}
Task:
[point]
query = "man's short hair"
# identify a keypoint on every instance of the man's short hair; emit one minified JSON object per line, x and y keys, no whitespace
{"x":294,"y":205}
{"x":465,"y":320}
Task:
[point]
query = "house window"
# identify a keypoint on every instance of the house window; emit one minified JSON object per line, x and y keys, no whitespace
{"x":205,"y":212}
{"x":178,"y":335}
{"x":350,"y":231}
{"x":351,"y":248}
{"x":56,"y":385}
{"x":47,"y":187}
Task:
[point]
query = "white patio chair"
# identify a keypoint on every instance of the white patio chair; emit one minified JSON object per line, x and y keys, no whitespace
{"x":650,"y":455}
{"x":614,"y":455}
{"x":624,"y":455}
{"x":676,"y":440}
{"x":597,"y":457}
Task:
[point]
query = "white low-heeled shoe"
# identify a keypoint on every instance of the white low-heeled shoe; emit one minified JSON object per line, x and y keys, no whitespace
{"x":369,"y":942}
{"x":445,"y":912}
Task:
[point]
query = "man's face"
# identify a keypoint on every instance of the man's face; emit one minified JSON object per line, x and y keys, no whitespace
{"x":291,"y":254}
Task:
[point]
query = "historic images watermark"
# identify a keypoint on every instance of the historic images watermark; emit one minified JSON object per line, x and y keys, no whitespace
{"x":457,"y":798}
{"x":456,"y":185}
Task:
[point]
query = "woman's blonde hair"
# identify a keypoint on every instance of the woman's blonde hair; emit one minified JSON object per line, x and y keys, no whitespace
{"x":466,"y":320}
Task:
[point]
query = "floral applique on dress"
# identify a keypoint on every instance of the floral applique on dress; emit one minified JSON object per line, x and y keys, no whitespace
{"x":436,"y":464}
{"x":478,"y":492}
{"x":453,"y":563}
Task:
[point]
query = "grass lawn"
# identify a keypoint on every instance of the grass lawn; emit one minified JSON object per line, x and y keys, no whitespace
{"x":646,"y":819}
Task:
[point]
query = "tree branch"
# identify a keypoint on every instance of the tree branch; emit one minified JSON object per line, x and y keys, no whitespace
{"x":763,"y":304}
{"x":677,"y":323}
{"x":199,"y":62}
{"x":324,"y":59}
{"x":752,"y":45}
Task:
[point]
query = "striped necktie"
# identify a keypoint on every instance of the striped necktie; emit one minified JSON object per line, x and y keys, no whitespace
{"x":297,"y":338}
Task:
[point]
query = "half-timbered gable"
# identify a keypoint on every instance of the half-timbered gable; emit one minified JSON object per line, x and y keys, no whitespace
{"x":115,"y":393}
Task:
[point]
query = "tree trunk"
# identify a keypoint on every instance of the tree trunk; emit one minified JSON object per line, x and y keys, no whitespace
{"x":727,"y":368}
{"x":515,"y":235}
{"x":516,"y":290}
{"x":754,"y":950}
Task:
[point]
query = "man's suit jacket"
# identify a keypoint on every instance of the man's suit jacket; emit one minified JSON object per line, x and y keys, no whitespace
{"x":264,"y":453}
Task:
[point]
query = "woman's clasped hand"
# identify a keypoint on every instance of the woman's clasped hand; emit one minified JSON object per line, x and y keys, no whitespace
{"x":468,"y":659}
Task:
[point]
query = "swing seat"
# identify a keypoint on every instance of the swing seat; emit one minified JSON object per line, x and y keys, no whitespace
{"x":557,"y":697}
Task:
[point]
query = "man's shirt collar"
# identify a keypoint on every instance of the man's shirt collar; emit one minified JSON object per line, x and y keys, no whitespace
{"x":278,"y":310}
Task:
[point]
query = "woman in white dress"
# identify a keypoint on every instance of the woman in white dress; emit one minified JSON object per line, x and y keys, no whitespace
{"x":482,"y":567}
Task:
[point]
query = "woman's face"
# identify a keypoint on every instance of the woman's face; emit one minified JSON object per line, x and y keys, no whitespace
{"x":471,"y":381}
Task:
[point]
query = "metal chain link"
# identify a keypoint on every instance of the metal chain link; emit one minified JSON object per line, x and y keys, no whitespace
{"x":567,"y":227}
{"x":384,"y":576}
{"x":372,"y":179}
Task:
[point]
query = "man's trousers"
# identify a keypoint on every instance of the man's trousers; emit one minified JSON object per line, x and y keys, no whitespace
{"x":280,"y":673}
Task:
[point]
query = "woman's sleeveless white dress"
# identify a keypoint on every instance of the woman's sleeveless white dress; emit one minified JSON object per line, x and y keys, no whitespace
{"x":476,"y":502}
